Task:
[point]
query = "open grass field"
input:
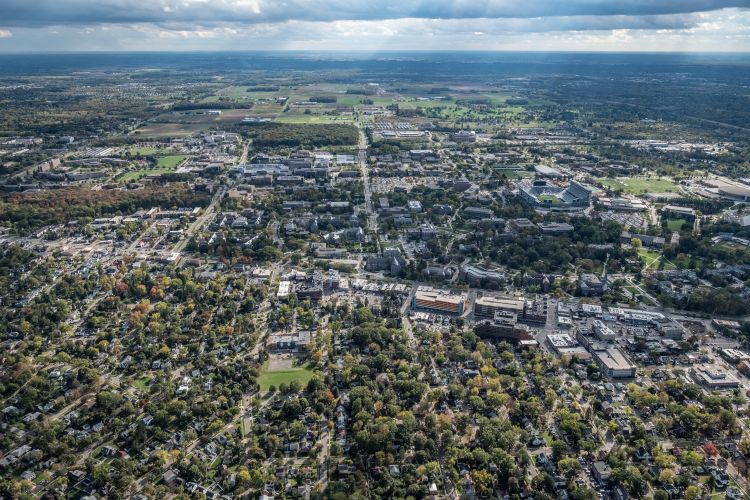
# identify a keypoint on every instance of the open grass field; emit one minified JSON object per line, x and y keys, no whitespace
{"x":269,"y":378}
{"x":144,"y":151}
{"x":651,"y":259}
{"x":170,"y":161}
{"x":676,"y":224}
{"x":640,"y":185}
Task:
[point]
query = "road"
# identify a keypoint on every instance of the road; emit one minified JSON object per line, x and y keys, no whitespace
{"x":372,"y":217}
{"x":200,"y":221}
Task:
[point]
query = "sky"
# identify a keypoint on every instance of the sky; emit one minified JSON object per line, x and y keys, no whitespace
{"x":375,"y":25}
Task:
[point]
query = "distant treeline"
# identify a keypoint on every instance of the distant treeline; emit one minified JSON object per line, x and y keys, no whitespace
{"x":324,"y":98}
{"x":263,"y":88}
{"x":33,"y":209}
{"x":706,"y":206}
{"x":360,"y":91}
{"x":302,"y":135}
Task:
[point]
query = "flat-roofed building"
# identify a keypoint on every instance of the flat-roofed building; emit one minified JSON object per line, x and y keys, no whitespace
{"x":612,"y":362}
{"x":713,"y":377}
{"x":288,"y":342}
{"x":566,"y":346}
{"x":488,"y":305}
{"x":439,"y":301}
{"x":684,"y":212}
{"x":285,"y":288}
{"x":602,"y":331}
{"x":503,"y":326}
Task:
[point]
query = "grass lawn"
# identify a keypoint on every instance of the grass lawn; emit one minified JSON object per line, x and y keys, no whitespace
{"x":144,"y":151}
{"x":302,"y":374}
{"x":550,"y":199}
{"x":675,"y":224}
{"x":640,"y":185}
{"x":651,"y":259}
{"x":170,"y":161}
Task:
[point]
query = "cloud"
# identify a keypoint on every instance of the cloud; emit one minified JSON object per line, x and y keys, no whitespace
{"x":190,"y":25}
{"x":56,"y":12}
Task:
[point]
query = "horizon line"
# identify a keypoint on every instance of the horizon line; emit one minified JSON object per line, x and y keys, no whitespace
{"x":365,"y":51}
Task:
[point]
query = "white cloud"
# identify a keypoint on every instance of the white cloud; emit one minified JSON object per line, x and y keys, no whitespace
{"x":401,"y":25}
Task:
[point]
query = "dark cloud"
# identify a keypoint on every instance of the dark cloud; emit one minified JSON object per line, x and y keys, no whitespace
{"x":85,"y":12}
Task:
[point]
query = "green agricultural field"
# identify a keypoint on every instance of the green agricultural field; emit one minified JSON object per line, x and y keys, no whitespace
{"x":267,"y":378}
{"x":640,"y":185}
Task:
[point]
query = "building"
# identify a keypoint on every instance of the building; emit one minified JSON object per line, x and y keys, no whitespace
{"x":464,"y":136}
{"x":601,"y":472}
{"x":566,"y":346}
{"x":548,"y":197}
{"x":504,"y":327}
{"x":602,"y":331}
{"x":475,"y":274}
{"x":682,"y":212}
{"x":551,"y":228}
{"x":545,"y":171}
{"x":478,"y":213}
{"x":622,"y":204}
{"x":713,"y":377}
{"x":439,"y":301}
{"x":612,"y":362}
{"x":487,"y":306}
{"x":391,"y":261}
{"x":627,"y":237}
{"x":414,"y":206}
{"x":289,"y":342}
{"x":590,"y":285}
{"x":535,"y":312}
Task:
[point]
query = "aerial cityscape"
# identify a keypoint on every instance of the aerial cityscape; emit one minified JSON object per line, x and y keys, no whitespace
{"x":438,"y":271}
